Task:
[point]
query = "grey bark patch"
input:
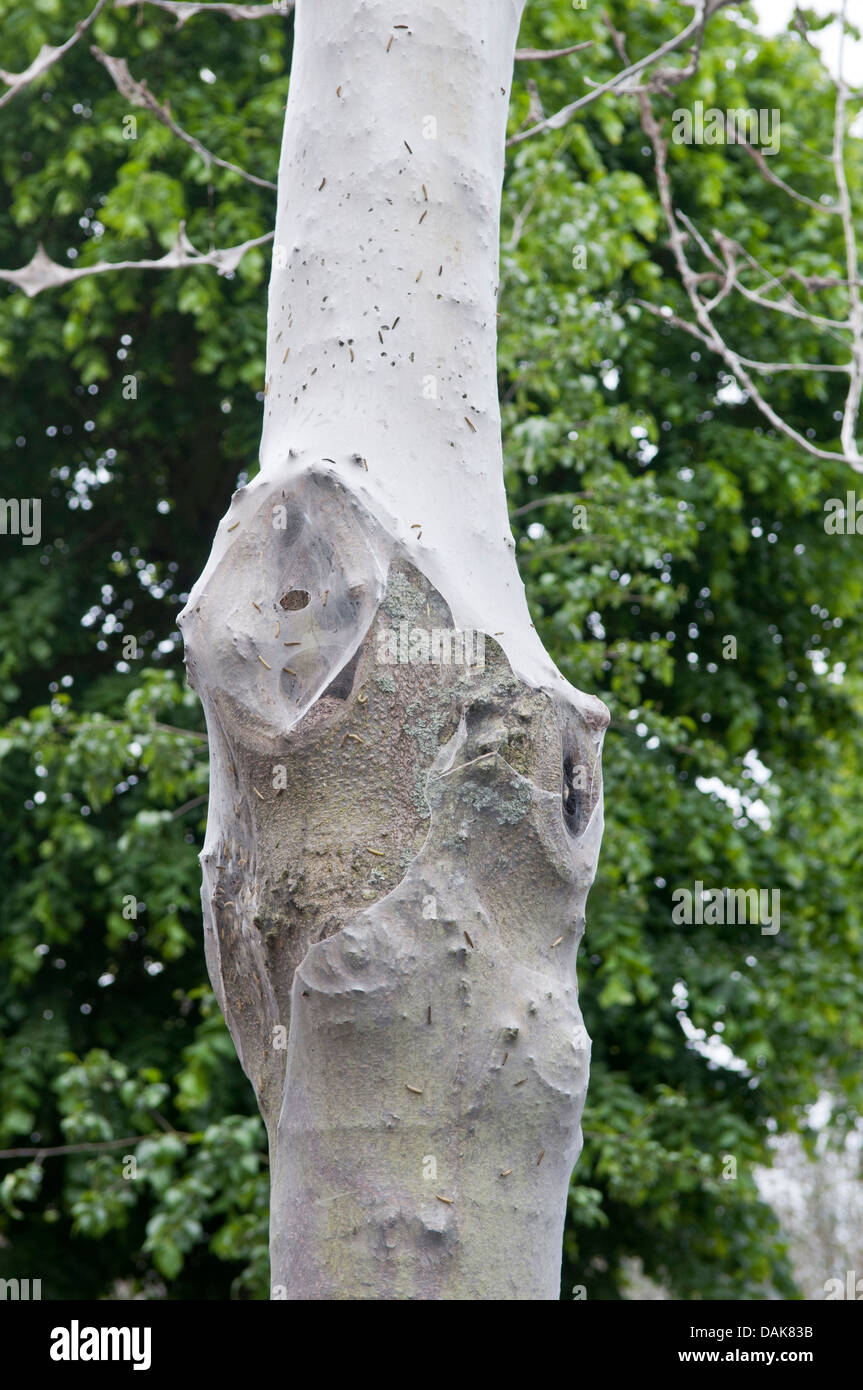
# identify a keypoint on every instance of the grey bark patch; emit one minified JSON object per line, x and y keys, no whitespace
{"x":392,"y":903}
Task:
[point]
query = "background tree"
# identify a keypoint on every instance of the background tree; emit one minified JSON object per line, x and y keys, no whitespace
{"x":700,"y":524}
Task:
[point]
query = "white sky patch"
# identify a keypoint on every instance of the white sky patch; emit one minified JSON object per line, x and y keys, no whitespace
{"x":821,"y":667}
{"x":646,"y":451}
{"x":820,"y":1204}
{"x":774,"y":16}
{"x":755,"y":767}
{"x":712,"y":1048}
{"x":742,"y":807}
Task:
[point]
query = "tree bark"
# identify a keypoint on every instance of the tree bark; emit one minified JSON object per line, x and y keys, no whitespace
{"x":405,"y":806}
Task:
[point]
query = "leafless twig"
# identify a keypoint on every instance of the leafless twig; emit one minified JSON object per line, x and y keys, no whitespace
{"x":768,"y":368}
{"x":183,"y":11}
{"x":769,"y":175}
{"x":531,"y":55}
{"x":190,"y":805}
{"x":727,"y":269}
{"x":139,"y":94}
{"x":693,"y":30}
{"x":855,"y":387}
{"x":41,"y":273}
{"x":102,"y":1146}
{"x":549,"y":501}
{"x":45,"y":58}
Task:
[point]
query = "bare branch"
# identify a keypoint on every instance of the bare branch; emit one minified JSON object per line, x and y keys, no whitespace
{"x":41,"y":273}
{"x":535,"y":110}
{"x":816,"y":282}
{"x":190,"y":805}
{"x":769,"y":175}
{"x":731,"y":281}
{"x":703,"y":11}
{"x":184,"y":11}
{"x":59,"y":1150}
{"x":520,"y":220}
{"x":773,"y":368}
{"x":139,"y":94}
{"x":705,"y":329}
{"x":45,"y":58}
{"x":531,"y":55}
{"x":768,"y":368}
{"x":161,"y":728}
{"x":850,"y":414}
{"x":787,"y":304}
{"x":174,"y":728}
{"x":704,"y":246}
{"x":549,"y":501}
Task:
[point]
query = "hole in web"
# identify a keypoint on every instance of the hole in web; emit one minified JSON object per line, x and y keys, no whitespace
{"x":294,"y":600}
{"x":576,"y":795}
{"x":341,"y":686}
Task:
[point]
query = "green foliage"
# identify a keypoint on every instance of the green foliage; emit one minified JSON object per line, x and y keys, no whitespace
{"x":698,"y":524}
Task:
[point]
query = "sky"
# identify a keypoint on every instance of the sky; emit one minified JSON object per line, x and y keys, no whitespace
{"x":774,"y":16}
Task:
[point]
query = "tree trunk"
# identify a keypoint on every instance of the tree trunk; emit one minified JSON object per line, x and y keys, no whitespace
{"x":405,"y":808}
